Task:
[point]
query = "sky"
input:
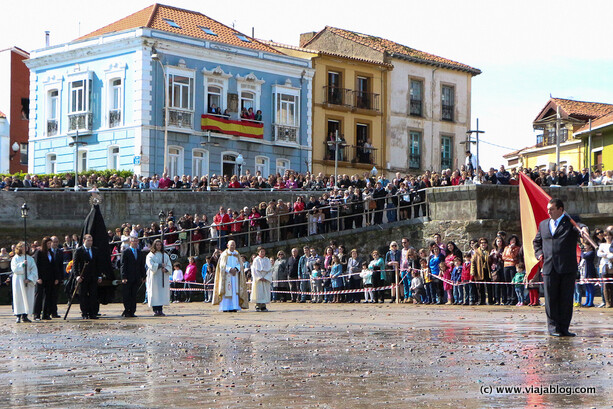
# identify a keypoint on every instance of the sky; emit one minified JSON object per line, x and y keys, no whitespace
{"x":527,"y":50}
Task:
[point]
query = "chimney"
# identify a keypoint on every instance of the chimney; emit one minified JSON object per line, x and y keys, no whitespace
{"x":306,"y":37}
{"x":46,"y":38}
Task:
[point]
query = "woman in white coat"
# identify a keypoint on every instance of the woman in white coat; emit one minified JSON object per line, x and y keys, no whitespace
{"x":159,"y":270}
{"x":24,"y":282}
{"x":261,"y":272}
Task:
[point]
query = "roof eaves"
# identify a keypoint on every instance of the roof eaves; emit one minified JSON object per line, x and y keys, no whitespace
{"x":473,"y":71}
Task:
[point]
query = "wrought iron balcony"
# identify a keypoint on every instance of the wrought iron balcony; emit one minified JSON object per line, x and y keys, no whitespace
{"x":179,"y":118}
{"x":415,"y":108}
{"x":51,"y":127}
{"x":337,"y":96}
{"x":447,"y":112}
{"x":366,"y":100}
{"x":114,"y":118}
{"x":285,"y":133}
{"x":350,"y":153}
{"x":81,"y":121}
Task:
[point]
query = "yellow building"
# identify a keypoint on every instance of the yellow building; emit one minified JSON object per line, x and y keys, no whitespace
{"x":348,"y":101}
{"x":572,"y":119}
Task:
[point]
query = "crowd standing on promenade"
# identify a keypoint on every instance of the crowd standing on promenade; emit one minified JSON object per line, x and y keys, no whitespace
{"x":488,"y":272}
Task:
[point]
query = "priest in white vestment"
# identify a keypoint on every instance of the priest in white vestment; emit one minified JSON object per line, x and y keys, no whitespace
{"x":230,"y":289}
{"x":261,"y":273}
{"x":159,"y":270}
{"x":24,"y":281}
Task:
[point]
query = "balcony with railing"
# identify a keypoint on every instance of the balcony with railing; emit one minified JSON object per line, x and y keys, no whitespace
{"x":51,"y":127}
{"x":356,"y":154}
{"x":81,"y":121}
{"x":416,"y":107}
{"x":549,"y":138}
{"x":285,"y":133}
{"x":114,"y":118}
{"x":447,"y":112}
{"x":179,"y":118}
{"x":337,"y":96}
{"x":346,"y":99}
{"x":366,"y":100}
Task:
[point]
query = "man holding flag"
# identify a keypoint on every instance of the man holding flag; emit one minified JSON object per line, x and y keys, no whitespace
{"x":555,"y":244}
{"x":554,"y":249}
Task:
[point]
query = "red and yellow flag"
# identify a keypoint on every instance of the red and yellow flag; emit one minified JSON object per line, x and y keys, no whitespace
{"x":231,"y":127}
{"x":533,"y":210}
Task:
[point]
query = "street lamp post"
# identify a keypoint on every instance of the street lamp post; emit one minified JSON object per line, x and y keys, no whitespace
{"x":477,"y":132}
{"x":24,"y":215}
{"x":156,"y":57}
{"x":336,"y":143}
{"x":76,"y":144}
{"x":240,"y":161}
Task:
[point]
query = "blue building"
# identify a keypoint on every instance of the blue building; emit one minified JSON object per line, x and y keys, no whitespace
{"x":108,"y":89}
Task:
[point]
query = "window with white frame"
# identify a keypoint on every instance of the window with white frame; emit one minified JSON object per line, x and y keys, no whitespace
{"x":214,"y":99}
{"x":51,"y":163}
{"x":79,"y":104}
{"x":83,"y":165}
{"x":78,"y":93}
{"x":282,"y":166}
{"x":113,"y":158}
{"x":115,"y":102}
{"x":52,"y":112}
{"x":200,"y":162}
{"x":175,"y":161}
{"x":247,"y":100}
{"x":287,"y":113}
{"x":180,"y":91}
{"x":262,"y":164}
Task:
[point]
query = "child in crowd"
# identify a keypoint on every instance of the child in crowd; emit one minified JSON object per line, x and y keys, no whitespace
{"x":430,"y":297}
{"x":456,"y":278}
{"x":175,"y":282}
{"x":518,"y":280}
{"x":208,"y":277}
{"x":417,"y":287}
{"x":337,"y":280}
{"x":533,"y":289}
{"x":366,"y":275}
{"x":445,"y":274}
{"x":190,"y":277}
{"x":469,"y":288}
{"x":588,"y":270}
{"x":320,"y":220}
{"x":317,"y":283}
{"x":436,"y":286}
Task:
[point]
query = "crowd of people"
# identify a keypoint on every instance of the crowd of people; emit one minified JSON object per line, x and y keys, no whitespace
{"x":488,"y":272}
{"x":290,"y":180}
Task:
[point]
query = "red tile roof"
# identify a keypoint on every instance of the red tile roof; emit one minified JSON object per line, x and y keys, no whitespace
{"x":189,"y":21}
{"x":605,"y":120}
{"x":2,"y":115}
{"x":397,"y":50}
{"x":325,"y":53}
{"x":577,"y":109}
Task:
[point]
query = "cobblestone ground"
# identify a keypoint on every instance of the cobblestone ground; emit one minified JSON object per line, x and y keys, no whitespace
{"x":306,"y":356}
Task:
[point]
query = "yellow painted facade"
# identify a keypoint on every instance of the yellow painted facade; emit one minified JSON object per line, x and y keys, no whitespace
{"x":355,"y":105}
{"x":571,"y":154}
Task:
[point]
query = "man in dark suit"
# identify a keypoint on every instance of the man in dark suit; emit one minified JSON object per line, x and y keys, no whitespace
{"x":132,"y":275}
{"x":555,"y":244}
{"x":58,"y":262}
{"x":46,"y":276}
{"x":90,"y":279}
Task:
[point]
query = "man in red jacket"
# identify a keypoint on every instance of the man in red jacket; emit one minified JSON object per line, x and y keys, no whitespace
{"x":221,"y":219}
{"x":165,"y":182}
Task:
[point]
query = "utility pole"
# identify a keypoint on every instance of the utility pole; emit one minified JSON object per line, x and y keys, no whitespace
{"x":558,"y":139}
{"x":477,"y":132}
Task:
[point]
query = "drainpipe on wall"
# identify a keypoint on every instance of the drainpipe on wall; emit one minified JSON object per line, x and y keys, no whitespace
{"x":432,"y":120}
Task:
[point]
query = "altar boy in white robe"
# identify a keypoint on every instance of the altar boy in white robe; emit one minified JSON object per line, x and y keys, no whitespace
{"x":159,"y":269}
{"x":24,"y":282}
{"x":230,"y":288}
{"x":261,"y":271}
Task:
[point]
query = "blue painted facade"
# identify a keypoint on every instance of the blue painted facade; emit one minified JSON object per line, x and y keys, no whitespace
{"x":122,"y":63}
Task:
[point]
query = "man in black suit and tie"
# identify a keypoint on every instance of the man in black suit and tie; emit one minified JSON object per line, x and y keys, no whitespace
{"x":90,"y":279}
{"x":133,"y":273}
{"x":556,"y":243}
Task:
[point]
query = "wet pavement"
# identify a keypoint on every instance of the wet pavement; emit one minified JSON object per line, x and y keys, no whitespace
{"x":306,"y":356}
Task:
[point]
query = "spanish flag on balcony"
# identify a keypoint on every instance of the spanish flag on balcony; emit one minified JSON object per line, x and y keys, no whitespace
{"x":231,"y":127}
{"x":533,"y":210}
